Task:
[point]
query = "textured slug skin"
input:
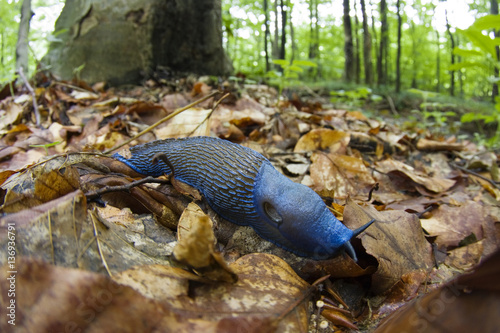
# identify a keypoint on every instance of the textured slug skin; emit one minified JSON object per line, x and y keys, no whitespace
{"x":243,"y":187}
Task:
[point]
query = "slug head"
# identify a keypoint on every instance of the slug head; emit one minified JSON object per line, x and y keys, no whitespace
{"x":295,"y":218}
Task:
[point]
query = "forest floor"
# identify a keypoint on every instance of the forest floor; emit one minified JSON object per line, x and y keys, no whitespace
{"x":93,"y":246}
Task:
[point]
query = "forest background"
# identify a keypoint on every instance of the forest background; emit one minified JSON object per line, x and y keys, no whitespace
{"x":358,"y":49}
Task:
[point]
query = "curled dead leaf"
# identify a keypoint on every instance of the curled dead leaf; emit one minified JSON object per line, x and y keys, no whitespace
{"x":195,"y":247}
{"x":396,"y":240}
{"x":323,"y":139}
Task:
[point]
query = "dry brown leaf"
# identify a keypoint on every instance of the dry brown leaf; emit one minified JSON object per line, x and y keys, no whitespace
{"x":396,"y":240}
{"x":190,"y":122}
{"x":465,"y":257}
{"x":345,"y":175}
{"x":10,"y":115}
{"x":424,"y":144}
{"x":401,"y":169}
{"x":267,"y":288}
{"x":55,"y":299}
{"x":60,"y":232}
{"x":323,"y":139}
{"x":195,"y":247}
{"x":470,"y":303}
{"x":42,"y":188}
{"x":48,"y":231}
{"x":452,"y":224}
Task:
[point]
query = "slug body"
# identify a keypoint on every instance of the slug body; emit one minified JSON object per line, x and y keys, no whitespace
{"x":243,"y":187}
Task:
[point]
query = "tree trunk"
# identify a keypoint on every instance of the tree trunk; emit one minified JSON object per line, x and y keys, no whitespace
{"x":266,"y":35}
{"x":383,"y":47}
{"x":22,"y":50}
{"x":367,"y":47}
{"x":494,"y":11}
{"x":357,"y":49}
{"x":374,"y":34}
{"x":452,"y":44}
{"x":122,"y":41}
{"x":438,"y":64}
{"x":314,"y":30}
{"x":414,"y":52}
{"x":398,"y":57}
{"x":283,"y":30}
{"x":348,"y":45}
{"x":276,"y":43}
{"x":292,"y":34}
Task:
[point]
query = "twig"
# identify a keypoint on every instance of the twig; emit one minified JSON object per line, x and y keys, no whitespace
{"x":161,"y":121}
{"x":303,"y":297}
{"x":96,"y":234}
{"x":96,"y":194}
{"x":33,"y":95}
{"x":492,"y":182}
{"x":391,"y":104}
{"x":210,"y":113}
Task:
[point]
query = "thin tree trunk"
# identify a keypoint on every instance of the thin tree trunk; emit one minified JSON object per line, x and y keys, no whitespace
{"x":266,"y":35}
{"x":494,"y":11}
{"x":313,"y":33}
{"x":348,"y":45}
{"x":357,"y":50}
{"x":292,"y":34}
{"x":22,"y":50}
{"x":384,"y":42}
{"x":452,"y":41}
{"x":367,"y":47}
{"x":398,"y":57}
{"x":375,"y":37}
{"x":438,"y":64}
{"x":276,"y":32}
{"x":283,"y":30}
{"x":460,"y":74}
{"x":414,"y":52}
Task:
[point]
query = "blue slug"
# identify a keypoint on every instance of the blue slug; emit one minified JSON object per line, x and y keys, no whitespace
{"x":243,"y":187}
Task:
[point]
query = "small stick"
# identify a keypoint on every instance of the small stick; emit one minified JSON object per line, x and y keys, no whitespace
{"x":33,"y":95}
{"x":95,"y":194}
{"x":161,"y":121}
{"x":210,"y":113}
{"x":492,"y":182}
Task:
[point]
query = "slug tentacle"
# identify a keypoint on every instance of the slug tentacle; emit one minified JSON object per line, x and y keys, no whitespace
{"x":243,"y":187}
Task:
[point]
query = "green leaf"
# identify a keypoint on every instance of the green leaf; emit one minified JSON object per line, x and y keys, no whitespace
{"x":466,"y":53}
{"x":477,"y":38}
{"x":468,"y":64}
{"x":295,"y":68}
{"x":306,"y":63}
{"x":468,"y":117}
{"x":281,"y":62}
{"x":487,"y":22}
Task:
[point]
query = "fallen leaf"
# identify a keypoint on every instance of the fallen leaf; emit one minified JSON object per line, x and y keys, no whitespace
{"x":424,"y":144}
{"x":469,"y":303}
{"x":396,"y":240}
{"x":323,"y":139}
{"x":398,"y":168}
{"x":452,"y":224}
{"x":345,"y":175}
{"x":190,"y":122}
{"x":195,"y":247}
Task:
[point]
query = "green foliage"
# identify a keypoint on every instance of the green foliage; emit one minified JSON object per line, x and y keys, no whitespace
{"x":289,"y":72}
{"x":45,"y":12}
{"x":355,"y":97}
{"x":8,"y":35}
{"x":435,"y":116}
{"x":485,"y":58}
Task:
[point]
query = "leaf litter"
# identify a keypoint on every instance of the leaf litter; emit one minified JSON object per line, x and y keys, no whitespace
{"x":100,"y":243}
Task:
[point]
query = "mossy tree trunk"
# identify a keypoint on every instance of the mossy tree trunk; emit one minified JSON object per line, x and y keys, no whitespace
{"x":123,"y":41}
